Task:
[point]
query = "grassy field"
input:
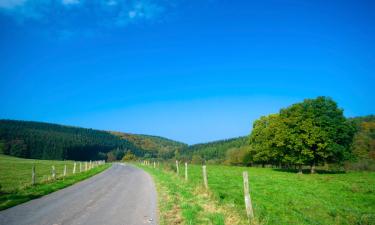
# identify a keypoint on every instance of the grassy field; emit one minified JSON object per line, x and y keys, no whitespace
{"x":15,"y":178}
{"x":278,"y":197}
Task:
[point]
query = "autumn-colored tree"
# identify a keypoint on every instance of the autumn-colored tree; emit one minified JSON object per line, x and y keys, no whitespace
{"x":364,"y":141}
{"x":129,"y":156}
{"x":111,"y":157}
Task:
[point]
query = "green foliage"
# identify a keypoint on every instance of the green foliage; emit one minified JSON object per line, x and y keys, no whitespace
{"x":157,"y":146}
{"x":213,"y":150}
{"x":129,"y":157}
{"x":363,"y":146}
{"x":111,"y":157}
{"x":196,"y":159}
{"x":52,"y":141}
{"x":307,"y":133}
{"x":238,"y":156}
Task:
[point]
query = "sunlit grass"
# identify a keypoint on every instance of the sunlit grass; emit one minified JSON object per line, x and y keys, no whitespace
{"x":15,"y":178}
{"x":288,"y":198}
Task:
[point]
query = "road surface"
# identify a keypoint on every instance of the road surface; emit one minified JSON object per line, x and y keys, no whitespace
{"x":121,"y":195}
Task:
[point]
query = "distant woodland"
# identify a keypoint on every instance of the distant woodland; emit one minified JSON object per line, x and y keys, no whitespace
{"x":309,"y":133}
{"x":51,"y":141}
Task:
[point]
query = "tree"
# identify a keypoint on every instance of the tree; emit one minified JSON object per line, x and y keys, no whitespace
{"x":364,"y":141}
{"x":238,"y":156}
{"x":129,"y":156}
{"x":308,"y":133}
{"x":18,"y":148}
{"x":196,"y":159}
{"x":111,"y":157}
{"x":268,"y":140}
{"x":317,"y":132}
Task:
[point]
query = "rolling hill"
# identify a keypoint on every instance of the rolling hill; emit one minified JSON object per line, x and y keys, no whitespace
{"x":53,"y":141}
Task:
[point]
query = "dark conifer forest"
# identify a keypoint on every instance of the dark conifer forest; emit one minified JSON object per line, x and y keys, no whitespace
{"x":51,"y":141}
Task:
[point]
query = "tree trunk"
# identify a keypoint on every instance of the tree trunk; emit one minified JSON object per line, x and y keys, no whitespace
{"x":299,"y":169}
{"x":262,"y":165}
{"x":312,"y":170}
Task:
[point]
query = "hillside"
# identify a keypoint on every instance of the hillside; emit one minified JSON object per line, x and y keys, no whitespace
{"x":164,"y":147}
{"x":363,"y":146}
{"x":52,"y":141}
{"x":234,"y":151}
{"x":215,"y":151}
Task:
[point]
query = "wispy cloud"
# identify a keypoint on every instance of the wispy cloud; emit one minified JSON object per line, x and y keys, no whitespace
{"x":85,"y":14}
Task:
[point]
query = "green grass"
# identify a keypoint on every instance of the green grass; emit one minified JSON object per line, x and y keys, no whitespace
{"x":15,"y":178}
{"x":285,"y":198}
{"x":181,"y":203}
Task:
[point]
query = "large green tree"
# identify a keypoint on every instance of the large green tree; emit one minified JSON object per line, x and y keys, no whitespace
{"x":312,"y":132}
{"x":268,"y":140}
{"x":318,"y":131}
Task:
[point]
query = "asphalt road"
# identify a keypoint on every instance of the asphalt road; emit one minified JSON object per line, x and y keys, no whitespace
{"x":121,"y":195}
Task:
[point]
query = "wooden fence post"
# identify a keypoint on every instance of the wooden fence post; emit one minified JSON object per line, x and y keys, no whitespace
{"x":178,"y":171}
{"x":205,"y":177}
{"x":154,"y":164}
{"x":85,"y":166}
{"x":249,"y":207}
{"x":64,"y":170}
{"x":53,"y":172}
{"x":33,"y":175}
{"x":186,"y":171}
{"x":80,"y":167}
{"x":74,"y":168}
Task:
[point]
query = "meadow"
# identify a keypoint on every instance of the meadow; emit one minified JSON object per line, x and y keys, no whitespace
{"x":15,"y":178}
{"x":278,"y":197}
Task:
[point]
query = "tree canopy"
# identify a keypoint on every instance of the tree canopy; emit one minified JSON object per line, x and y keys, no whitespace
{"x":312,"y":132}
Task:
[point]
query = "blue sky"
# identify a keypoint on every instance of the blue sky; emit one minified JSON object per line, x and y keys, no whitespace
{"x":192,"y":71}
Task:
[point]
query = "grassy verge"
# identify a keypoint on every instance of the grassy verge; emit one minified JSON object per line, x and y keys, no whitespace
{"x":15,"y":179}
{"x":181,"y":202}
{"x":278,"y":197}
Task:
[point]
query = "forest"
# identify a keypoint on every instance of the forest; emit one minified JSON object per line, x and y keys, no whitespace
{"x":52,"y":141}
{"x":310,"y":133}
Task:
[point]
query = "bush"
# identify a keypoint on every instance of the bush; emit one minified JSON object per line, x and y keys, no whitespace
{"x":362,"y":164}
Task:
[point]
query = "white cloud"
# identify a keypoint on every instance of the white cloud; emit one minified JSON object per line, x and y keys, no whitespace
{"x":10,"y":4}
{"x":70,"y":2}
{"x":132,"y":14}
{"x":87,"y":16}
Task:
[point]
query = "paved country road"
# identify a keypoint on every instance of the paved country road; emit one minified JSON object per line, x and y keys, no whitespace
{"x":121,"y":195}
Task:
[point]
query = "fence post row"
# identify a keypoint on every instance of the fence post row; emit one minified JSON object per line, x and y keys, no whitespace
{"x":74,"y":168}
{"x":186,"y":171}
{"x":53,"y":172}
{"x":249,"y":207}
{"x":205,"y":176}
{"x":178,"y":171}
{"x":64,"y":170}
{"x":33,"y":175}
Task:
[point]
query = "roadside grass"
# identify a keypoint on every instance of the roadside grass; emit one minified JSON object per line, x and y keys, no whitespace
{"x":181,"y":202}
{"x":15,"y":178}
{"x":278,"y":197}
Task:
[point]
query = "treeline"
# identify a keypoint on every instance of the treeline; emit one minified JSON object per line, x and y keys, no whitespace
{"x":213,"y":152}
{"x":310,"y":133}
{"x":51,"y":141}
{"x":164,"y":148}
{"x":363,"y":146}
